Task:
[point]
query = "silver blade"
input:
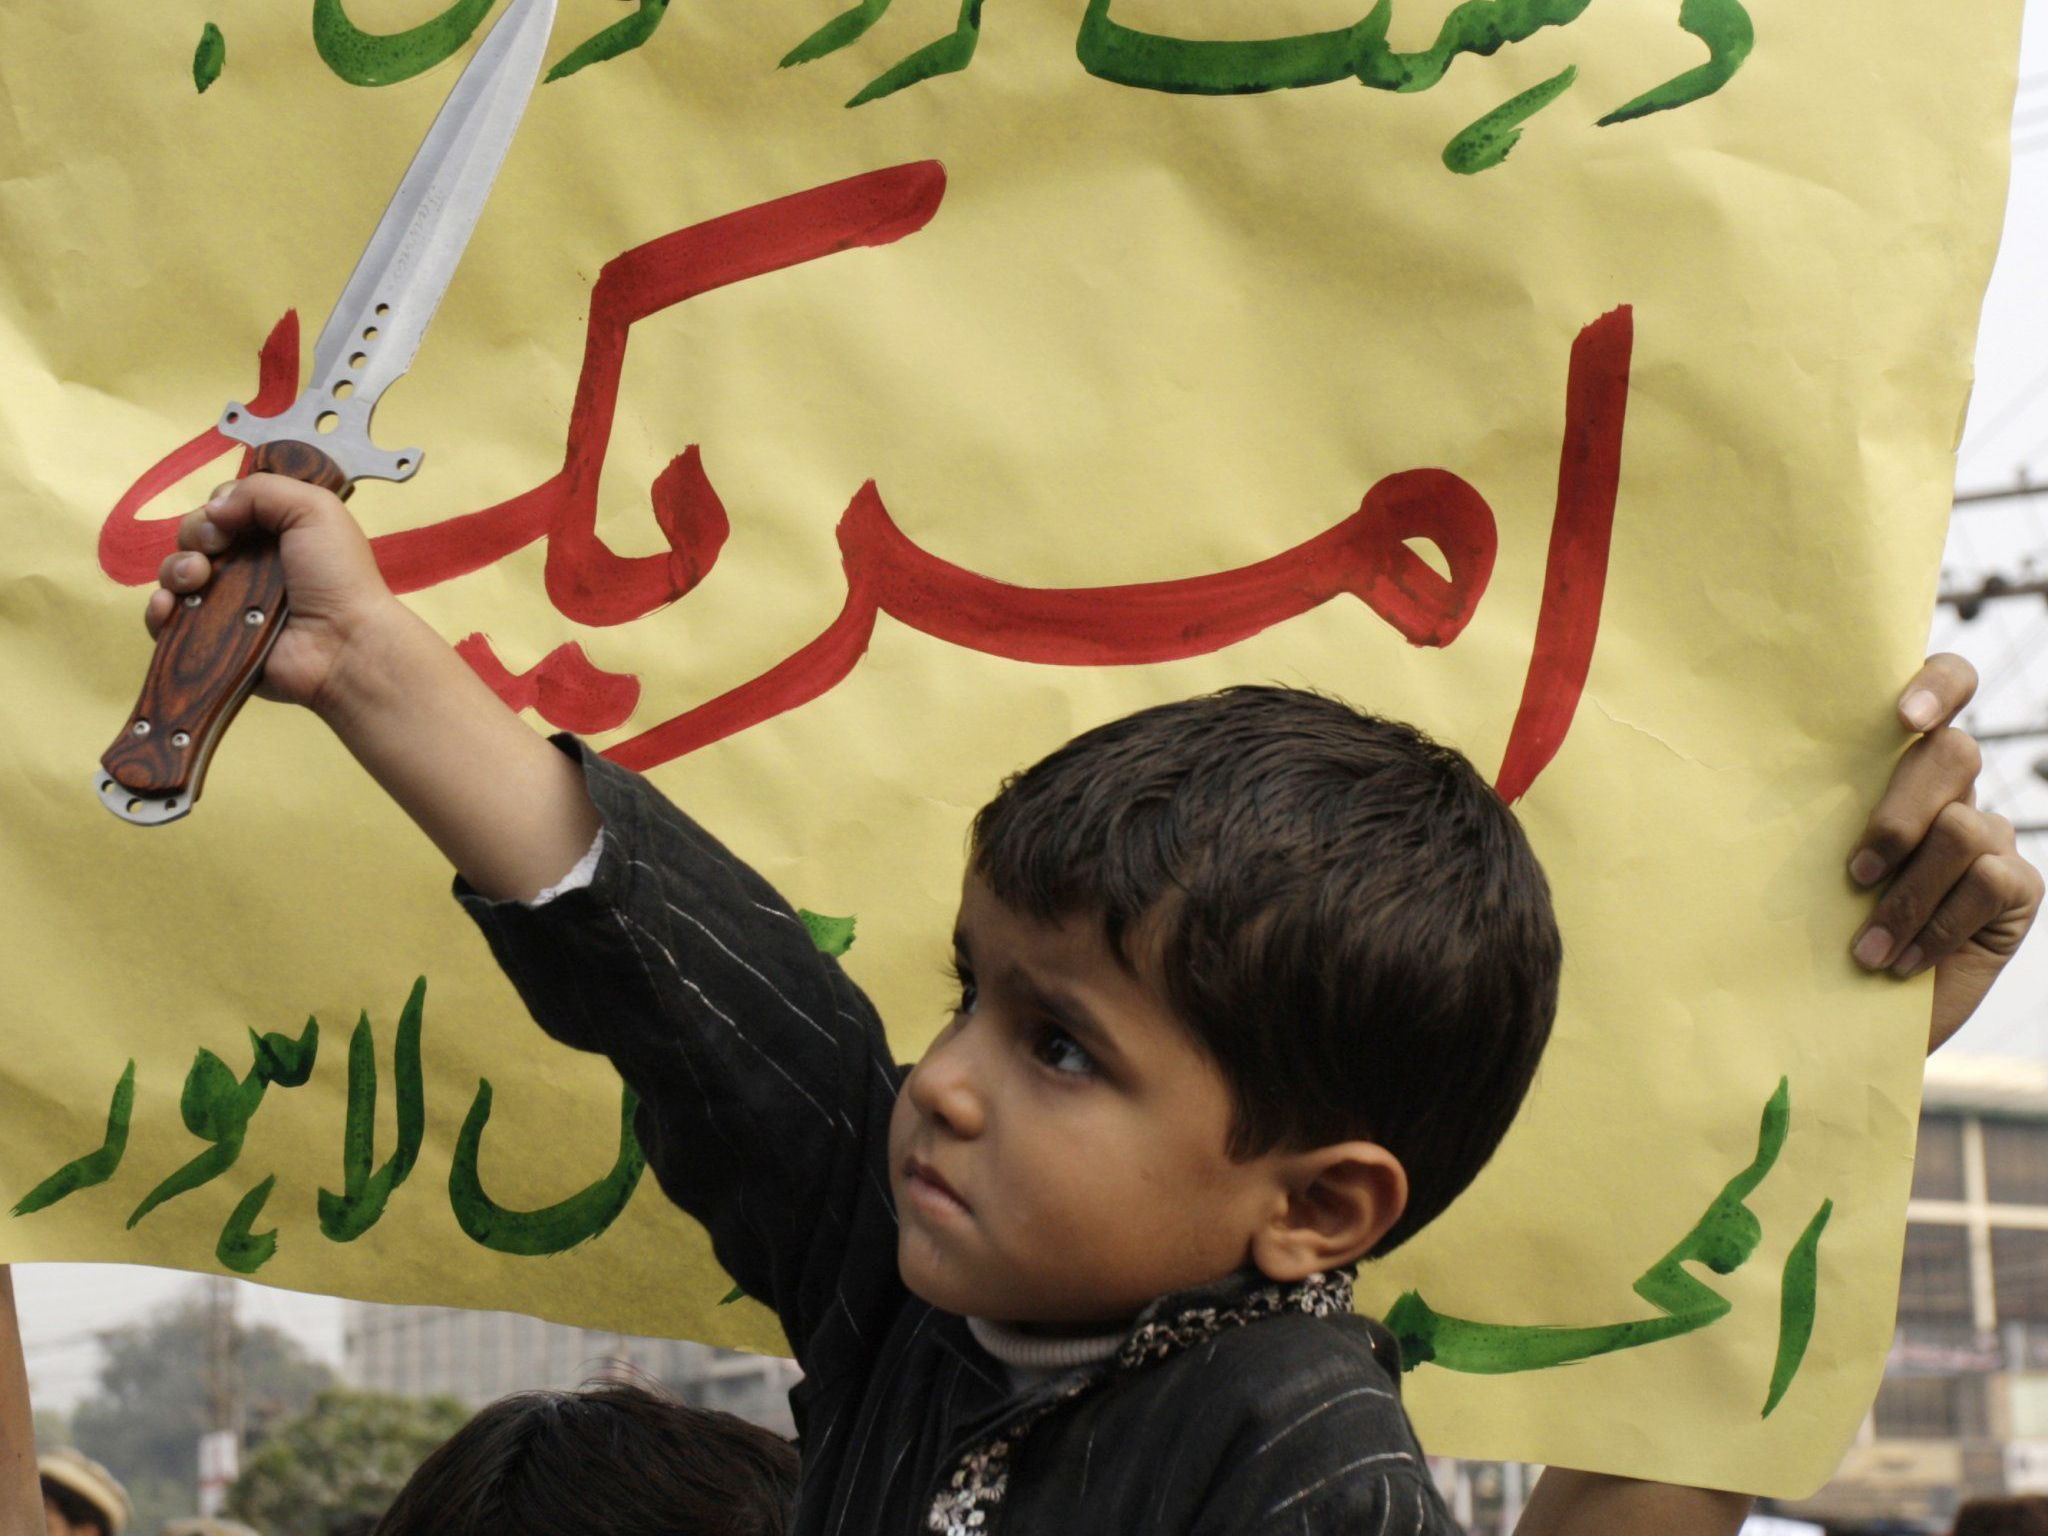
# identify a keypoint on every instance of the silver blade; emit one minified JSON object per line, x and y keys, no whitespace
{"x":375,"y":329}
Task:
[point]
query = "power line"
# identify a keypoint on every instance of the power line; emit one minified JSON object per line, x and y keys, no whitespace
{"x":1968,"y":602}
{"x":2025,"y":642}
{"x":60,"y":1346}
{"x":2024,"y":487}
{"x":2006,"y":415}
{"x":2032,"y":449}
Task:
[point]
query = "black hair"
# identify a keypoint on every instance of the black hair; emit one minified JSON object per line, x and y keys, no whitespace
{"x":75,"y":1507}
{"x":2002,"y":1517}
{"x":1341,"y":911}
{"x":618,"y":1457}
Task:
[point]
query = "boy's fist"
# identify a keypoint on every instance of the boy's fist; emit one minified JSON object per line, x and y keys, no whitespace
{"x":1957,"y":894}
{"x":331,"y":578}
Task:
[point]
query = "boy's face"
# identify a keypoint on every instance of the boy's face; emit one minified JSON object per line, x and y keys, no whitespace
{"x":1059,"y":1155}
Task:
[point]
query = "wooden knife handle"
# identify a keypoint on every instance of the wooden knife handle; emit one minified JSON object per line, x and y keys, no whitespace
{"x":209,"y":654}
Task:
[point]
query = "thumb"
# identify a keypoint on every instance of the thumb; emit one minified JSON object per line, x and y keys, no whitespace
{"x":273,"y":503}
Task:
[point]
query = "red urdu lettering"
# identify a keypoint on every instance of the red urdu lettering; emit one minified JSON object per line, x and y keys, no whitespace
{"x":131,"y":550}
{"x":585,"y":580}
{"x":1575,"y":576}
{"x":1116,"y":626}
{"x":565,"y":689}
{"x":1364,"y":555}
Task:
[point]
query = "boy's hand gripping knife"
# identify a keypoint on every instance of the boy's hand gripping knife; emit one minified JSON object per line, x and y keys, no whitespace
{"x":210,"y":653}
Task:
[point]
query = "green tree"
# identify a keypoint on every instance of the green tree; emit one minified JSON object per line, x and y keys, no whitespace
{"x":348,"y":1454}
{"x":145,"y":1417}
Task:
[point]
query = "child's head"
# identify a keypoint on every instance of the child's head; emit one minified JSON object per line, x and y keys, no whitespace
{"x":1251,"y":978}
{"x":616,"y":1457}
{"x":2003,"y":1517}
{"x":81,"y":1497}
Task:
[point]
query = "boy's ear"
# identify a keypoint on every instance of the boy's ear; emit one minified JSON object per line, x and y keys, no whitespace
{"x":1338,"y":1202}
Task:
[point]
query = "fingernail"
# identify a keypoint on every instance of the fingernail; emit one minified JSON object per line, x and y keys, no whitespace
{"x":188,"y":566}
{"x":1872,"y":948}
{"x":1907,"y":963}
{"x":211,"y":537}
{"x":219,"y":498}
{"x":1866,"y":867}
{"x":1920,"y":708}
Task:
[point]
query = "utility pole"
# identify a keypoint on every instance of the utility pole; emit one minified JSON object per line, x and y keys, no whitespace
{"x":220,"y":1448}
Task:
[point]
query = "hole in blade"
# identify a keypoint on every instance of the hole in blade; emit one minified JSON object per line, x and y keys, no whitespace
{"x":328,"y":421}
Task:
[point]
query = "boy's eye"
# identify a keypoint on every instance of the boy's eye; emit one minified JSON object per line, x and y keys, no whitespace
{"x":969,"y":992}
{"x":1061,"y":1051}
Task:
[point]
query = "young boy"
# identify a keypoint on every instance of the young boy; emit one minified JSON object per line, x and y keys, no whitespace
{"x":1251,"y":986}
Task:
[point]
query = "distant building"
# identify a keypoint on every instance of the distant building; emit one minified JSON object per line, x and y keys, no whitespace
{"x":1963,"y":1408}
{"x":478,"y":1356}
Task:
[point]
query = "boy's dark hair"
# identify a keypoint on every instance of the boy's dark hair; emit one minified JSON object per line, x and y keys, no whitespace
{"x":1341,"y":910}
{"x":76,"y":1508}
{"x":616,"y":1457}
{"x":2002,"y":1517}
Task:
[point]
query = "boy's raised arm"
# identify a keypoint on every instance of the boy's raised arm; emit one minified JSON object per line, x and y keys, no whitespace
{"x":508,"y":810}
{"x":650,"y":963}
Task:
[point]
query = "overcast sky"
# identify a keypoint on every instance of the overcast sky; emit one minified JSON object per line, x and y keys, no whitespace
{"x":63,"y":1304}
{"x":2007,"y":435}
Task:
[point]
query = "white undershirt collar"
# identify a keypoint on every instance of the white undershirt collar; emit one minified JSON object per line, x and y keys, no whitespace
{"x":1037,"y":1354}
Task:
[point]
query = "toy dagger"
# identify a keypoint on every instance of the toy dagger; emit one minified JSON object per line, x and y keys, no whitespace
{"x":211,"y":651}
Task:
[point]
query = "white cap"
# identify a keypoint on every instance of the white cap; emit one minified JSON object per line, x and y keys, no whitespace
{"x":80,"y":1474}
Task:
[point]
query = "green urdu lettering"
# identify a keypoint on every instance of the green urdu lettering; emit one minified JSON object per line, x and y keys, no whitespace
{"x":553,"y":1228}
{"x":209,"y":58}
{"x":1122,"y":55}
{"x":95,"y":1167}
{"x":385,"y":58}
{"x":1797,"y":1294}
{"x":217,"y":1108}
{"x":1723,"y":1239}
{"x":364,"y":1192}
{"x":240,"y":1248}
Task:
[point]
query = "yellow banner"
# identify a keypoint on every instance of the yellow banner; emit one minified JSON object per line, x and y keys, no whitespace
{"x":834,"y":413}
